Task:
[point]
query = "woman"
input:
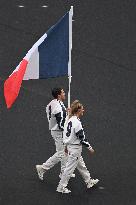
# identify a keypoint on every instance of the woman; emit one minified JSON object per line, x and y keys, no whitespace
{"x":74,"y":138}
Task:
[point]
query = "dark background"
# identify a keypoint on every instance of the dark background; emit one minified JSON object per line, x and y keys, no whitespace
{"x":103,"y":79}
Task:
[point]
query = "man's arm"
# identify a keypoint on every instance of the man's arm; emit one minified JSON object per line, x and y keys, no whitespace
{"x":80,"y":134}
{"x":59,"y":120}
{"x":48,"y":112}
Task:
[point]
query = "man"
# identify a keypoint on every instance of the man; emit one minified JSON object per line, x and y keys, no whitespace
{"x":56,"y":114}
{"x":74,"y":138}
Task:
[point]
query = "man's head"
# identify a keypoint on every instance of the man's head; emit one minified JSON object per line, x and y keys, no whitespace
{"x":77,"y":108}
{"x":58,"y":93}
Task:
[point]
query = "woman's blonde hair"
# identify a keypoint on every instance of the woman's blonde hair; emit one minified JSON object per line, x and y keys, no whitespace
{"x":75,"y":106}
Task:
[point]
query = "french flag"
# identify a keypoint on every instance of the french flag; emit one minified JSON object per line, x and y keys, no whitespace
{"x":49,"y":57}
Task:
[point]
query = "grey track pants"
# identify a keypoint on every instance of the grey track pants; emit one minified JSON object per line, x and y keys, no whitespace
{"x":60,"y":155}
{"x":75,"y":160}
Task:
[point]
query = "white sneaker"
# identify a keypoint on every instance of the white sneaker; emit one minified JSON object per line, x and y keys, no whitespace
{"x":40,"y":171}
{"x":72,"y":175}
{"x":92,"y":182}
{"x":63,"y":190}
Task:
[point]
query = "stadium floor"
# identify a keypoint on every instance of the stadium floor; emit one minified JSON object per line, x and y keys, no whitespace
{"x":103,"y":79}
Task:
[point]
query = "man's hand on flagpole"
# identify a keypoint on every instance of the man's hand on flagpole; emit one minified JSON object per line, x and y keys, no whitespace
{"x":68,"y":110}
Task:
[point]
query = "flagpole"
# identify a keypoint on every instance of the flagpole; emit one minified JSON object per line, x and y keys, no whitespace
{"x":70,"y":49}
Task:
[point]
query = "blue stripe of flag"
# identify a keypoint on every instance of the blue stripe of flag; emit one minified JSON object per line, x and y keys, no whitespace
{"x":54,"y":51}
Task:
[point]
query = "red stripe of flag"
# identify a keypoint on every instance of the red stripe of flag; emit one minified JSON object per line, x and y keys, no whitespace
{"x":13,"y":83}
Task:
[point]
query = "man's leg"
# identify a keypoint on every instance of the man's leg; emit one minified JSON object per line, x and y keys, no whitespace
{"x":58,"y":156}
{"x":73,"y":157}
{"x":85,"y":173}
{"x":83,"y":170}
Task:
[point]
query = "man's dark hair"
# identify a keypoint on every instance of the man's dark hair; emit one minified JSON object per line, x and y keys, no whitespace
{"x":56,"y":92}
